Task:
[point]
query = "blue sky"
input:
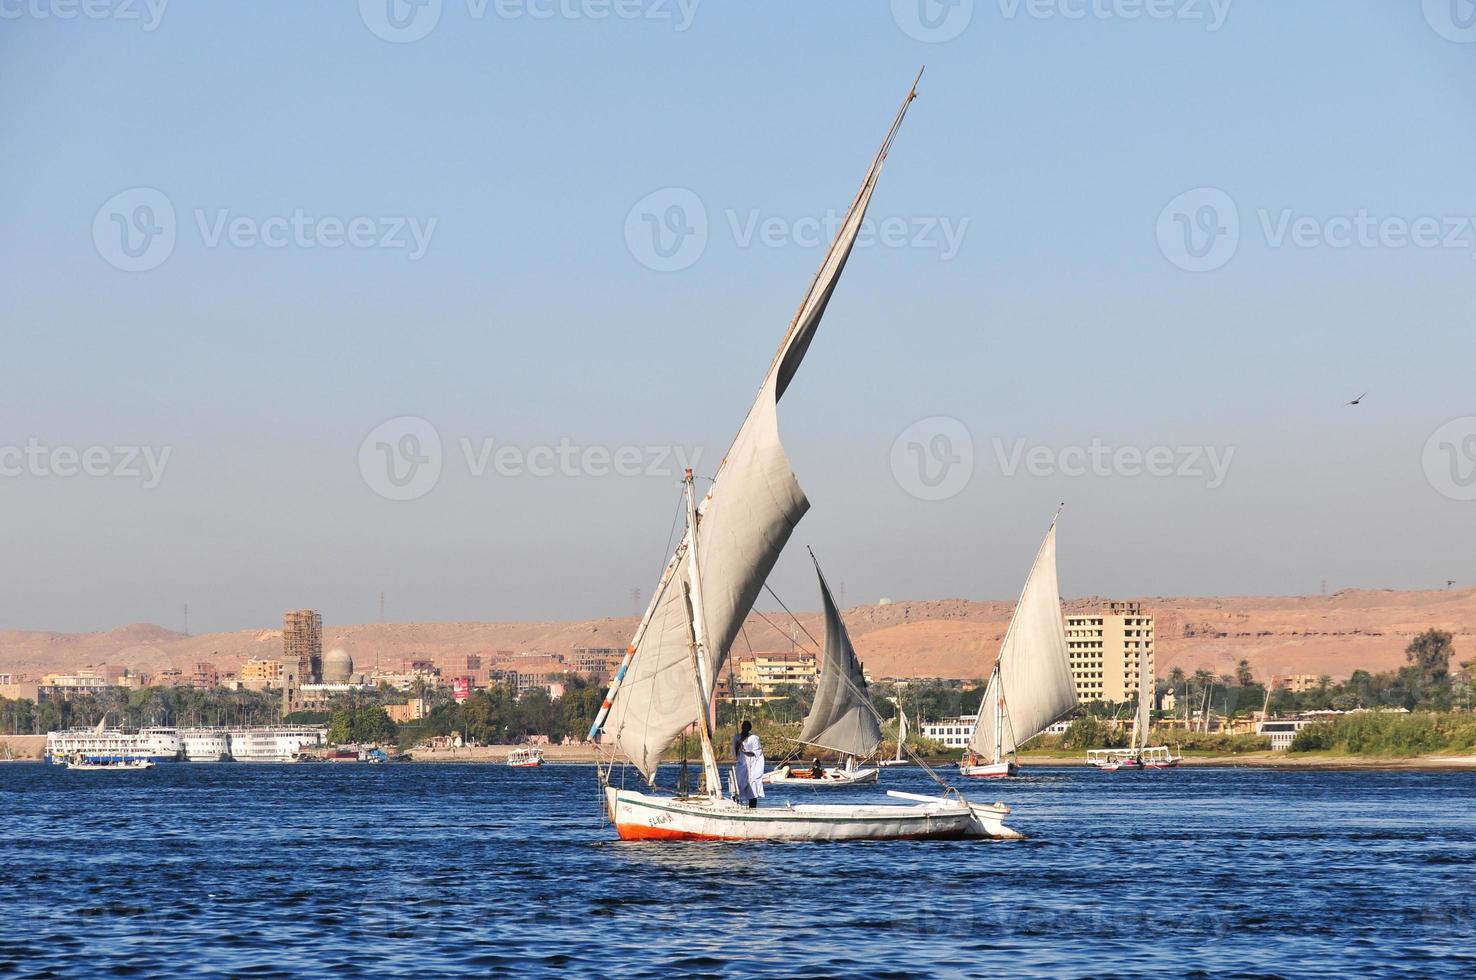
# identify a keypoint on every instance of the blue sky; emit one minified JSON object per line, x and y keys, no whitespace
{"x":1062,"y":316}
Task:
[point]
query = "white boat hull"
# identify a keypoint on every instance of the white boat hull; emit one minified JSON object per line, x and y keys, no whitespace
{"x":638,"y":816}
{"x":833,"y":777}
{"x":109,"y":766}
{"x":989,"y":770}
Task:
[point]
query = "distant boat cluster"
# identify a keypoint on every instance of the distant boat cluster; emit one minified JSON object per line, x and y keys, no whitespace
{"x":104,"y":746}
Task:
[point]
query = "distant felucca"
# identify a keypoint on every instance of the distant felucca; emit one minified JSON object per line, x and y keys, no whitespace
{"x":1031,"y":687}
{"x":841,"y":718}
{"x":1139,"y":755}
{"x":665,"y":684}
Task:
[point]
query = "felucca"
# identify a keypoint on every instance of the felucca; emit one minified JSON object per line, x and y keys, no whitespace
{"x":841,"y":719}
{"x":1139,"y":755}
{"x":901,"y":757}
{"x":1030,"y":688}
{"x":664,"y":685}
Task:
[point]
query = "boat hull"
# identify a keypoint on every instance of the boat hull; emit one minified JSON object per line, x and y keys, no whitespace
{"x":832,"y":777}
{"x":990,"y":770}
{"x":641,"y":817}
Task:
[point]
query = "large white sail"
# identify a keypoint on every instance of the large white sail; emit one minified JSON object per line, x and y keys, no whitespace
{"x":841,"y":718}
{"x":1033,"y":674}
{"x":743,"y":524}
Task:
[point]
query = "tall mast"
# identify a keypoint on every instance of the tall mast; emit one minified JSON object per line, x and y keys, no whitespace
{"x":699,"y":647}
{"x":998,"y":716}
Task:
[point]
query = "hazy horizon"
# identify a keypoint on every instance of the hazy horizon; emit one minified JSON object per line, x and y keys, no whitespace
{"x":307,"y":304}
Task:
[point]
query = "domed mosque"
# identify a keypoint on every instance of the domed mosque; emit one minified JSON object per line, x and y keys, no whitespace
{"x":338,"y":666}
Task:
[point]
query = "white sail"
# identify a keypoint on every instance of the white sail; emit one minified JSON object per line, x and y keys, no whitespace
{"x":743,"y":524}
{"x":1145,"y":701}
{"x":901,"y":731}
{"x":842,"y":718}
{"x":1033,"y":674}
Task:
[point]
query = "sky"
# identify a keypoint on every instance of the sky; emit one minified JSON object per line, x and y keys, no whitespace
{"x":306,"y":303}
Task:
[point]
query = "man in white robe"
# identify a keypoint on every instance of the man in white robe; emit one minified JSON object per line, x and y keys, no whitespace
{"x":748,"y":770}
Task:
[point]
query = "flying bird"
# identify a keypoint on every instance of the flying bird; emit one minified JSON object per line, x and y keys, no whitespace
{"x":1358,"y":399}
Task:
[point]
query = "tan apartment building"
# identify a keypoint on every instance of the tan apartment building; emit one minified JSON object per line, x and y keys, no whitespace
{"x":766,"y":673}
{"x":1106,"y":647}
{"x":257,"y":674}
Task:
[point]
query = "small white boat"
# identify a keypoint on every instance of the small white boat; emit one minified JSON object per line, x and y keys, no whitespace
{"x":817,"y":775}
{"x":1112,"y":760}
{"x":80,"y":763}
{"x":525,"y":757}
{"x":977,"y":768}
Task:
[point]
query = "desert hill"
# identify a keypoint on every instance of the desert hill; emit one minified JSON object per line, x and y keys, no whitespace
{"x":1333,"y":635}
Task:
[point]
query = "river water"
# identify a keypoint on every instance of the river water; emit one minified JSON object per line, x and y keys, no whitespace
{"x":483,"y":870}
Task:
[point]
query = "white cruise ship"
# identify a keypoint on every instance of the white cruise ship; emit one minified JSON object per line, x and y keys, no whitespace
{"x":113,"y":745}
{"x":205,"y":744}
{"x":284,"y":744}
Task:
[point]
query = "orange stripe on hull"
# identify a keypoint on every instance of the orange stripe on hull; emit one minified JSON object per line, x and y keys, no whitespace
{"x":633,"y":831}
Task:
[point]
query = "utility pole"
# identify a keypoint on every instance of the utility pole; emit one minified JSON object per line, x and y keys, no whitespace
{"x":187,"y":619}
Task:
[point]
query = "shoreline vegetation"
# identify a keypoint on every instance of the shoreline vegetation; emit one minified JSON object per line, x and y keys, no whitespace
{"x":30,"y":748}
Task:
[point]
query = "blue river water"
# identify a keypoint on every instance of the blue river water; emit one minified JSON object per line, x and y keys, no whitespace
{"x":437,"y":870}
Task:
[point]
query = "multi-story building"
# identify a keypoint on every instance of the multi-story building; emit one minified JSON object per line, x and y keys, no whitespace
{"x":768,"y":672}
{"x":1299,"y":683}
{"x":596,"y":663}
{"x":302,"y":645}
{"x":1107,"y":648}
{"x":257,"y":673}
{"x":411,"y":710}
{"x":204,"y":675}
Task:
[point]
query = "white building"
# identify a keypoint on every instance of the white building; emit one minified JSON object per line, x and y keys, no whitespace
{"x":952,"y":732}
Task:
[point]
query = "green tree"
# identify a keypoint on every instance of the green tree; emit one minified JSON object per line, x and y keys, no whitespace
{"x":1429,"y":653}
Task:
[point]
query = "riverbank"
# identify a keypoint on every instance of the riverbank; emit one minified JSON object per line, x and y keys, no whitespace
{"x":1284,"y":760}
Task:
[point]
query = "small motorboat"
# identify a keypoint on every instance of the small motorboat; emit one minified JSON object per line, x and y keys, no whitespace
{"x":1113,"y":760}
{"x":814,"y":774}
{"x":82,"y":763}
{"x":525,"y":757}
